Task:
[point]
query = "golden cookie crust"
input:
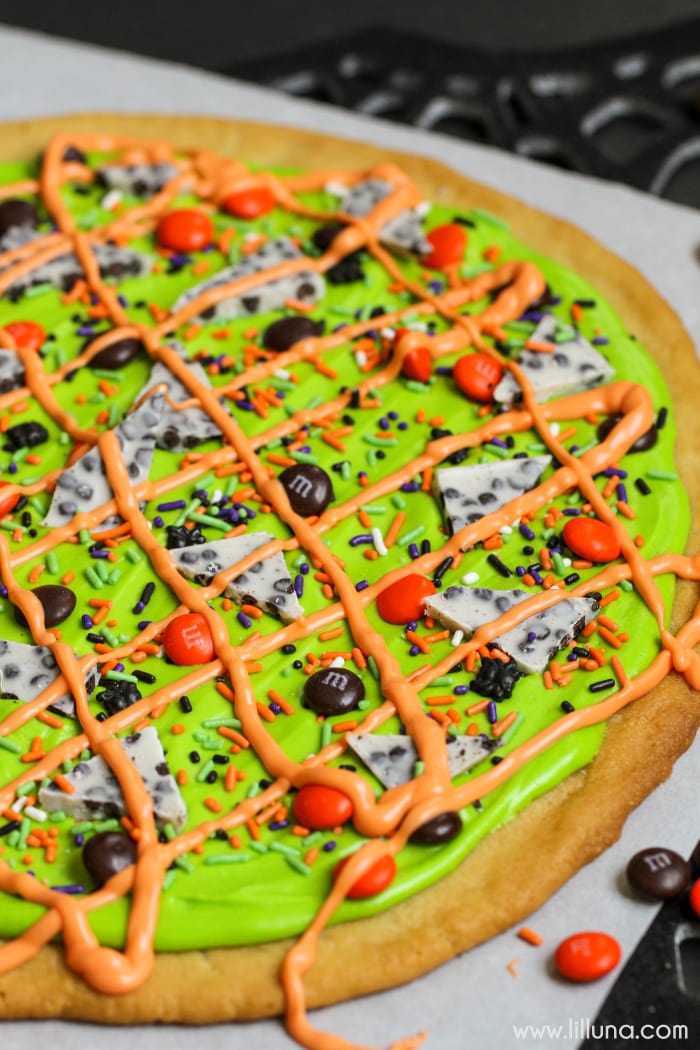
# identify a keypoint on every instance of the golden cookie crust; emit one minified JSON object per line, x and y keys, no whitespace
{"x":514,"y":870}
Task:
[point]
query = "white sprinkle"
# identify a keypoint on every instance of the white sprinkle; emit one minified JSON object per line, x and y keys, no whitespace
{"x":378,"y":541}
{"x":361,"y":358}
{"x":111,"y":199}
{"x":338,"y":662}
{"x":281,"y":373}
{"x":387,"y":333}
{"x":422,"y":209}
{"x":36,"y":814}
{"x":470,"y":577}
{"x":336,"y":189}
{"x":506,"y":530}
{"x":457,"y":637}
{"x":554,"y":429}
{"x":567,"y":562}
{"x":216,"y":495}
{"x":19,"y":805}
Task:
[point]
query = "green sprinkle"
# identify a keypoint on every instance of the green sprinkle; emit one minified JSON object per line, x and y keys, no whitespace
{"x":57,"y":817}
{"x":409,"y":537}
{"x":61,"y":355}
{"x":35,"y":290}
{"x":345,"y":470}
{"x":37,"y":504}
{"x":558,"y":563}
{"x":259,"y":847}
{"x":304,"y":457}
{"x":121,"y":676}
{"x":25,"y":789}
{"x":51,"y":562}
{"x":209,"y":743}
{"x":85,"y":537}
{"x":214,"y":523}
{"x":182,"y":518}
{"x":519,"y":326}
{"x":114,"y":576}
{"x":102,"y":571}
{"x":491,"y":220}
{"x":63,"y":438}
{"x":114,"y":414}
{"x":537,"y":446}
{"x":205,"y":771}
{"x":229,"y":723}
{"x":415,"y":387}
{"x":92,"y":578}
{"x":585,"y":448}
{"x":373,"y":508}
{"x":133,"y":555}
{"x":314,"y":402}
{"x":398,"y":501}
{"x":373,"y":668}
{"x":362,"y":705}
{"x":297,"y":864}
{"x":13,"y":839}
{"x":326,"y":734}
{"x":169,"y":832}
{"x":281,"y":847}
{"x":512,"y":730}
{"x":184,"y":865}
{"x":10,"y":745}
{"x":496,"y":450}
{"x":10,"y":526}
{"x":626,"y":585}
{"x":418,"y":768}
{"x":228,"y":858}
{"x":371,"y":457}
{"x":97,"y":399}
{"x":110,"y":637}
{"x":662,"y":475}
{"x":444,"y":679}
{"x":105,"y":373}
{"x":169,"y":879}
{"x":380,"y":442}
{"x":252,"y":791}
{"x":24,"y":830}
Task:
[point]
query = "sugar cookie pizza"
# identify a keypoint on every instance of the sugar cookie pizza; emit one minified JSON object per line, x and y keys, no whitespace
{"x":345,"y":604}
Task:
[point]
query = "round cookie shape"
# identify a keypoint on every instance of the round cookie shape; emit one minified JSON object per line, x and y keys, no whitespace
{"x":439,"y":830}
{"x":658,"y":872}
{"x":280,"y":335}
{"x":58,"y":603}
{"x":117,"y":354}
{"x":107,"y":853}
{"x":17,"y":214}
{"x":308,"y":487}
{"x":333,"y":691}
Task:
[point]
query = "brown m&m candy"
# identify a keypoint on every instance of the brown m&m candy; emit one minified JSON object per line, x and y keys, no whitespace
{"x":58,"y":603}
{"x":290,"y":330}
{"x":643,"y":442}
{"x":17,"y":214}
{"x":658,"y":872}
{"x":442,"y":828}
{"x":333,"y":691}
{"x":117,"y":354}
{"x":108,"y":853}
{"x":308,"y":487}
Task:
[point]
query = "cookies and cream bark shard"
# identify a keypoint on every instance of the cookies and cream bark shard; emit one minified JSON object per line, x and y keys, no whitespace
{"x":303,"y":286}
{"x":266,"y":584}
{"x":96,"y":792}
{"x":180,"y":429}
{"x":26,"y":670}
{"x":83,"y":486}
{"x":141,"y":180}
{"x":468,"y":493}
{"x":392,"y":758}
{"x":403,"y":233}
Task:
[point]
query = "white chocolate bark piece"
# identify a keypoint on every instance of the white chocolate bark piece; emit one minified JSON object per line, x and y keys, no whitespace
{"x":180,"y":429}
{"x":63,"y":271}
{"x":534,"y":641}
{"x":392,"y":757}
{"x":97,"y":793}
{"x":266,"y":584}
{"x":469,"y":492}
{"x":305,"y":286}
{"x":142,"y":180}
{"x":26,"y":670}
{"x":403,"y":233}
{"x":84,"y":486}
{"x":572,"y":366}
{"x":11,"y":371}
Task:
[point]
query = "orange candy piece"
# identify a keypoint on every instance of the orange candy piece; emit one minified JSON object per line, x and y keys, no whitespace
{"x":591,"y":539}
{"x":417,"y":364}
{"x":477,"y":376}
{"x":187,"y":640}
{"x":402,"y":601}
{"x":185,"y":230}
{"x":449,"y":244}
{"x":9,"y":502}
{"x":249,"y":203}
{"x":319,"y":807}
{"x":380,"y":875}
{"x":28,"y":335}
{"x":587,"y":956}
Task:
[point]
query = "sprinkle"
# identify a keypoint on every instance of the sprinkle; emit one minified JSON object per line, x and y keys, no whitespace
{"x":602,"y":684}
{"x":529,"y":936}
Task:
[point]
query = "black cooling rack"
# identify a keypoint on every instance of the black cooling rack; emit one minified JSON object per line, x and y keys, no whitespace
{"x":627,"y":110}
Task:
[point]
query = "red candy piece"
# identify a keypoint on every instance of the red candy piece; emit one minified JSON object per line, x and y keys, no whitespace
{"x":185,"y":230}
{"x":694,"y":897}
{"x":403,"y":601}
{"x":375,"y":879}
{"x":449,"y":244}
{"x":587,"y":956}
{"x":28,"y":335}
{"x":477,"y":376}
{"x":187,"y":640}
{"x":9,"y":502}
{"x":250,"y":203}
{"x":418,"y":364}
{"x":591,"y":539}
{"x":319,"y":807}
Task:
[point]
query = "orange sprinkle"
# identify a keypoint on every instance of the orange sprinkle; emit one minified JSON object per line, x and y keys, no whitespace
{"x":624,"y":508}
{"x":182,"y":777}
{"x":475,"y":709}
{"x":311,"y":856}
{"x":234,"y":736}
{"x":49,"y":720}
{"x":300,"y":831}
{"x":253,"y":830}
{"x":230,"y":779}
{"x":416,"y":639}
{"x":64,"y":784}
{"x":542,"y":346}
{"x":332,"y":632}
{"x":547,"y":679}
{"x":225,"y":691}
{"x":427,"y":476}
{"x":35,"y":573}
{"x":177,"y":729}
{"x":472,"y":729}
{"x":499,"y":728}
{"x":345,"y":727}
{"x":619,"y":670}
{"x":359,"y":658}
{"x":529,"y":936}
{"x":440,"y":701}
{"x":265,"y":713}
{"x":493,"y":543}
{"x":280,"y":461}
{"x":607,"y":622}
{"x":213,"y":804}
{"x":576,"y":312}
{"x":609,"y":637}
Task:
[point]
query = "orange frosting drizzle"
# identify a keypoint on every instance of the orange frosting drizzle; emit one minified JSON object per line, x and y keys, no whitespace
{"x":388,"y":821}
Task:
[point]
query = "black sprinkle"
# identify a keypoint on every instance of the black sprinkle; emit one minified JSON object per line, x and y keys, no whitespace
{"x":641,"y":486}
{"x":604,"y":683}
{"x":442,"y":569}
{"x":498,"y":565}
{"x":221,"y":760}
{"x":92,"y":637}
{"x":528,"y":550}
{"x":144,"y":676}
{"x":185,"y":704}
{"x":661,"y":418}
{"x":194,"y":756}
{"x":573,"y":577}
{"x":496,"y":759}
{"x":13,"y":825}
{"x":566,"y":707}
{"x":580,"y":651}
{"x":425,"y":546}
{"x":212,"y":777}
{"x":147,"y":593}
{"x":288,"y":649}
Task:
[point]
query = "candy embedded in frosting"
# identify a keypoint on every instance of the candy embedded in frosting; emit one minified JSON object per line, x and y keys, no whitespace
{"x":404,"y":233}
{"x":142,"y":180}
{"x":11,"y":372}
{"x":534,"y":641}
{"x":266,"y":584}
{"x":392,"y":758}
{"x":467,"y":493}
{"x":84,"y":486}
{"x":96,"y":791}
{"x":572,"y":365}
{"x":26,"y":670}
{"x":306,"y":286}
{"x":180,"y":429}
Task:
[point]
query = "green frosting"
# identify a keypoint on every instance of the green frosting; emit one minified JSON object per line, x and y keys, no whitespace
{"x":264,"y":890}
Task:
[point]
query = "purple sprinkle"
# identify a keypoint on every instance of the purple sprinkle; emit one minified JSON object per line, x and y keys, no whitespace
{"x":498,"y":443}
{"x":243,"y":619}
{"x":600,"y":340}
{"x":402,"y":426}
{"x":298,"y":585}
{"x":143,"y":624}
{"x":573,"y":448}
{"x":491,"y":712}
{"x":119,"y":667}
{"x":79,"y":839}
{"x":138,"y":608}
{"x":86,"y":621}
{"x":384,"y":423}
{"x":275,"y":708}
{"x":99,"y":554}
{"x":85,"y":329}
{"x":532,"y":636}
{"x":245,"y":405}
{"x":622,"y":492}
{"x":411,"y":625}
{"x":444,"y":370}
{"x":435,"y":286}
{"x":571,"y":512}
{"x":158,"y":522}
{"x":122,"y":300}
{"x":328,"y":847}
{"x":413,"y":551}
{"x":393,"y":415}
{"x":75,"y":888}
{"x":12,"y":468}
{"x":304,"y":568}
{"x":410,"y":486}
{"x":364,"y":537}
{"x":413,"y":651}
{"x":460,"y":690}
{"x":554,"y":300}
{"x":362,"y":585}
{"x":614,"y":472}
{"x":535,"y":316}
{"x":278,"y":825}
{"x":536,"y":576}
{"x":3,"y":591}
{"x":572,"y":656}
{"x":174,"y":504}
{"x":527,"y":532}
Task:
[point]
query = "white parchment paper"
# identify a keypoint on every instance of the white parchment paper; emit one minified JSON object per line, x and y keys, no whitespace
{"x":474,"y":1001}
